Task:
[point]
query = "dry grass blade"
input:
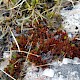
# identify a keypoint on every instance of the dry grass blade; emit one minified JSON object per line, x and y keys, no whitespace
{"x":3,"y":35}
{"x":29,"y":51}
{"x":15,"y":40}
{"x":8,"y":74}
{"x":17,"y":5}
{"x":26,"y":18}
{"x":22,"y":51}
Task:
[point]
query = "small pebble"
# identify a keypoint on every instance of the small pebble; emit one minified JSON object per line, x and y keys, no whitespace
{"x":48,"y":72}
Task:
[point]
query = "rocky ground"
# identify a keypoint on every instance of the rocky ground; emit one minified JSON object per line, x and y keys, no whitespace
{"x":65,"y":70}
{"x":68,"y":69}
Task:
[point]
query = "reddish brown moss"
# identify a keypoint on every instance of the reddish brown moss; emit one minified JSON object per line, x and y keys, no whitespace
{"x":43,"y":40}
{"x":45,"y":47}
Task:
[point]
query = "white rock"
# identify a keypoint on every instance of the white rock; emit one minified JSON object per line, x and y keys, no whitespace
{"x":61,"y":77}
{"x":71,"y":19}
{"x":76,"y":60}
{"x":73,"y":76}
{"x":48,"y":72}
{"x":55,"y":63}
{"x":6,"y":55}
{"x":60,"y":63}
{"x":66,"y":61}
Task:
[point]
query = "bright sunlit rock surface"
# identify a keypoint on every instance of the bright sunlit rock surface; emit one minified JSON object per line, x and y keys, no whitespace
{"x":48,"y":72}
{"x":71,"y":19}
